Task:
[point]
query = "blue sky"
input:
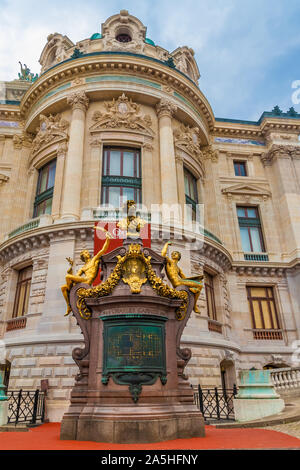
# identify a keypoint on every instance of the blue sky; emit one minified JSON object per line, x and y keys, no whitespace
{"x":248,"y":51}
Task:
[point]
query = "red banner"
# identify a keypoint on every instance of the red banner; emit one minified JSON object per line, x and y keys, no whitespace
{"x":118,"y":236}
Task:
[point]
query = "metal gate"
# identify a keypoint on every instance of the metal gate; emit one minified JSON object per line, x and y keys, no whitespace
{"x":215,"y":403}
{"x":25,"y":406}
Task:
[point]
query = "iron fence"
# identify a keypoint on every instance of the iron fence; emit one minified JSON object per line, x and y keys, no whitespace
{"x":25,"y":406}
{"x":215,"y":403}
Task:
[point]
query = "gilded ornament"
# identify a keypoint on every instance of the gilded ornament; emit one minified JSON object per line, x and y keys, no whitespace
{"x":87,"y":273}
{"x":132,"y":223}
{"x":176,"y":276}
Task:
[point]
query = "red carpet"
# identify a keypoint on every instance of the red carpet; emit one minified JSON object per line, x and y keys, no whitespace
{"x":46,"y":437}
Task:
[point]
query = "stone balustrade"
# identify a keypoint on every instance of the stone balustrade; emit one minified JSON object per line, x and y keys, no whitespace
{"x":286,"y":379}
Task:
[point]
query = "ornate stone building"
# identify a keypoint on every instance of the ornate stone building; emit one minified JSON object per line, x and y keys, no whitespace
{"x":116,"y":115}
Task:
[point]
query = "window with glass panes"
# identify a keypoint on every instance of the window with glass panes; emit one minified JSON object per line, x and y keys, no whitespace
{"x":263,"y":308}
{"x":210,"y":296}
{"x":240,"y":168}
{"x":121,"y":176}
{"x":250,"y":229}
{"x":22,"y":292}
{"x":191,"y":195}
{"x":45,"y":187}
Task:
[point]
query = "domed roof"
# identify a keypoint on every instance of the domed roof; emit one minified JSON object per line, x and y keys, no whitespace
{"x":96,"y":36}
{"x":149,"y":41}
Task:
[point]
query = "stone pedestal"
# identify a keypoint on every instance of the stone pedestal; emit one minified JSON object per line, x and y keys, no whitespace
{"x":257,"y":397}
{"x":131,"y":387}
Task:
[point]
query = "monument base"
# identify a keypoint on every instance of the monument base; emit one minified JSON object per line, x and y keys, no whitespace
{"x":128,"y":431}
{"x":256,"y":408}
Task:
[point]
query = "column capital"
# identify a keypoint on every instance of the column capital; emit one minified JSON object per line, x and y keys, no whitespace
{"x":165,"y":108}
{"x":78,"y":100}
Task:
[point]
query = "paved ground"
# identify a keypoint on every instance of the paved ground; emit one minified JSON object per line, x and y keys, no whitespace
{"x":46,"y":437}
{"x":292,"y":429}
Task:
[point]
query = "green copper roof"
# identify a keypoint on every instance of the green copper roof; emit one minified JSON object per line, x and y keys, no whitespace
{"x":149,"y":41}
{"x":96,"y":36}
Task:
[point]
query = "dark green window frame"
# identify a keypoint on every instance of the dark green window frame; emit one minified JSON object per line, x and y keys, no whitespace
{"x":47,"y":194}
{"x":120,"y":180}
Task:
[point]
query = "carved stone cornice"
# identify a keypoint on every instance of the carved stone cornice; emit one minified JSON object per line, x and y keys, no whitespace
{"x":262,"y":271}
{"x":243,"y":189}
{"x":210,"y":153}
{"x":166,"y":108}
{"x":42,"y":237}
{"x":78,"y":100}
{"x":122,"y":113}
{"x":52,"y":129}
{"x":280,"y":151}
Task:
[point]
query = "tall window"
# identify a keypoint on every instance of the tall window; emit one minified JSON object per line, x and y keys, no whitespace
{"x":45,"y":186}
{"x":210,"y":296}
{"x":191,"y":195}
{"x":121,"y":176}
{"x":22,"y":292}
{"x":263,"y":311}
{"x":240,"y":168}
{"x":250,"y":229}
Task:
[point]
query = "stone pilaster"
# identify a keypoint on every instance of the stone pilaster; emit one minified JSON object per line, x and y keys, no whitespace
{"x":165,"y":110}
{"x":59,"y":177}
{"x":180,"y":182}
{"x":95,"y":172}
{"x":33,"y":175}
{"x":281,"y":172}
{"x":73,"y":169}
{"x":148,"y":194}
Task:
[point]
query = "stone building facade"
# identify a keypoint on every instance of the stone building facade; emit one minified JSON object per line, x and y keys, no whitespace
{"x":119,"y":96}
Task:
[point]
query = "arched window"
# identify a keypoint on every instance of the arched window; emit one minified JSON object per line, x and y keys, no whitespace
{"x":191,"y":195}
{"x":45,"y":187}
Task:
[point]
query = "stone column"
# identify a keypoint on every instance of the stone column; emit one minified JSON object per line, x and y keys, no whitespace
{"x":59,"y":177}
{"x":149,"y":195}
{"x":95,"y":173}
{"x":165,"y":110}
{"x":73,"y":170}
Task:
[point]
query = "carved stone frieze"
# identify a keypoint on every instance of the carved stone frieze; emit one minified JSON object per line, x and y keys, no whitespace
{"x":122,"y":113}
{"x":188,"y":139}
{"x":51,"y":129}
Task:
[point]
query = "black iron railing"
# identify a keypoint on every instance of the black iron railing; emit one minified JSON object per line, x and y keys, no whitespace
{"x":215,"y":403}
{"x":25,"y":406}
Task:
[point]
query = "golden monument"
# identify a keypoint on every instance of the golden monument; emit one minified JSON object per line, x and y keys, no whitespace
{"x":176,"y":276}
{"x":87,"y":273}
{"x":132,"y":223}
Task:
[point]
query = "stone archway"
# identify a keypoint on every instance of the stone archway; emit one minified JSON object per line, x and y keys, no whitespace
{"x":228,"y":374}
